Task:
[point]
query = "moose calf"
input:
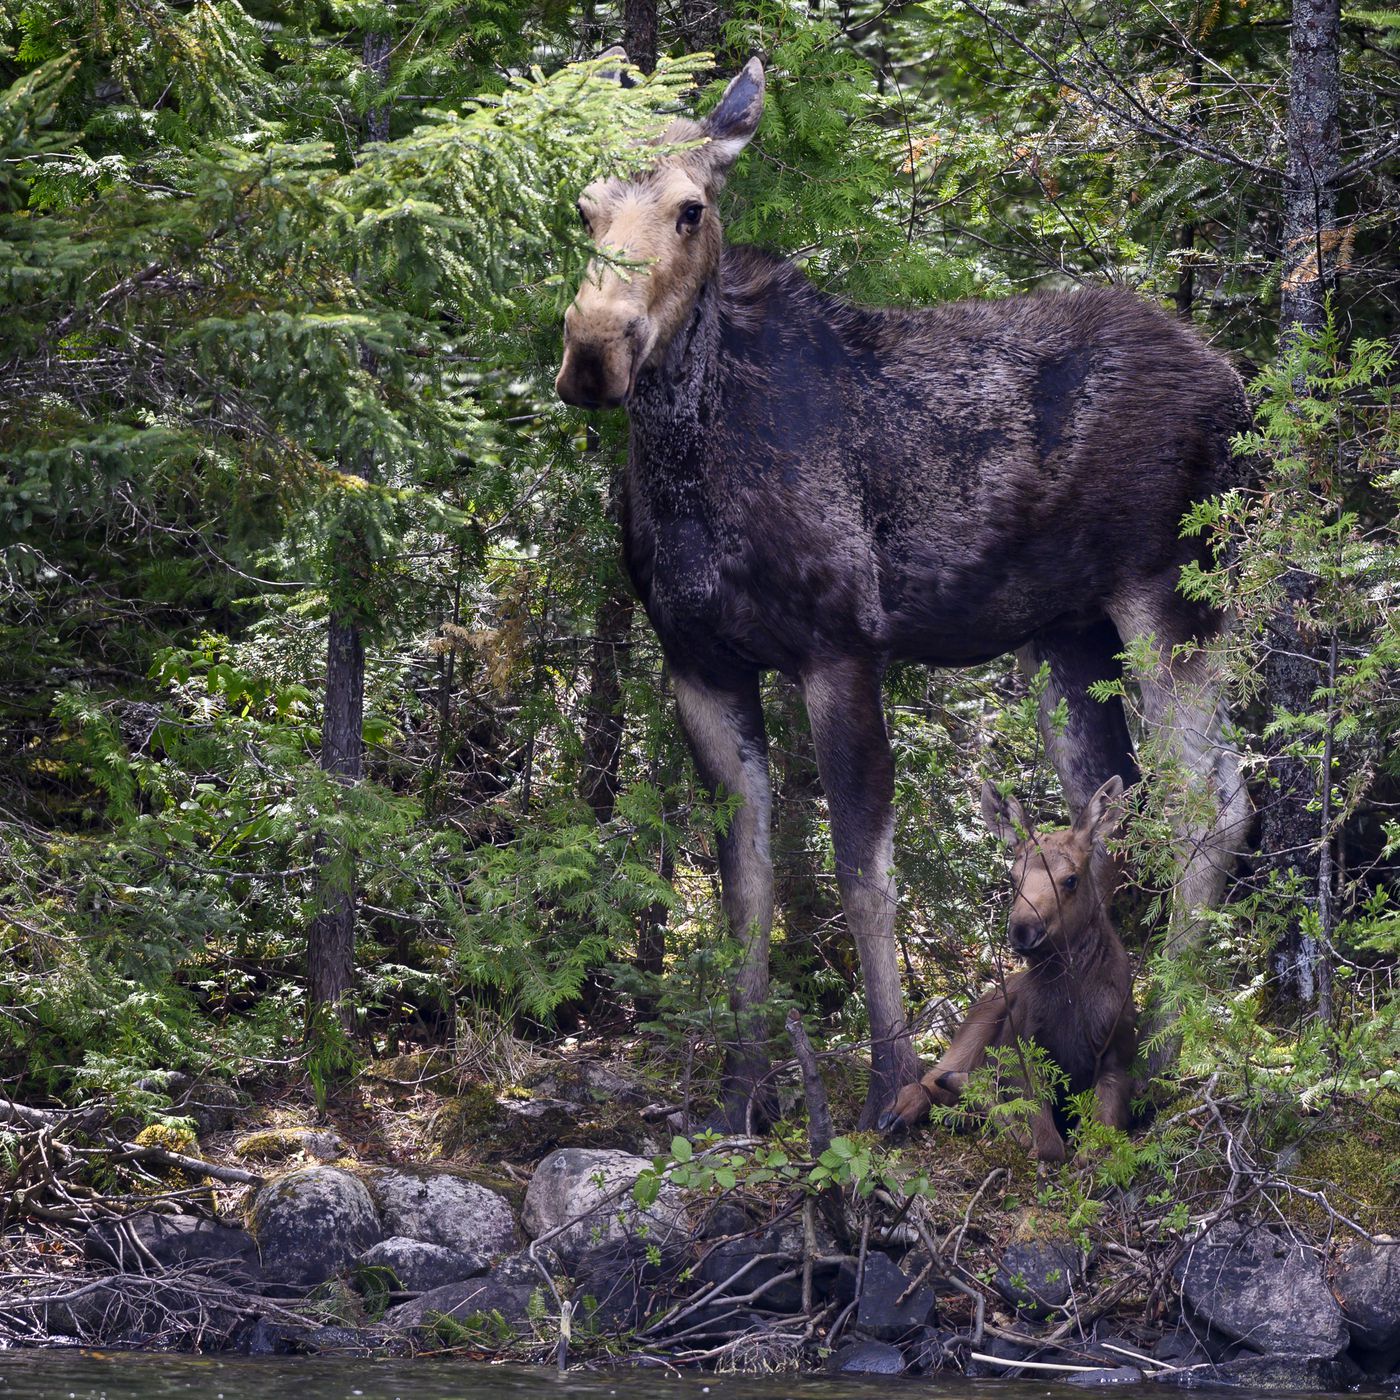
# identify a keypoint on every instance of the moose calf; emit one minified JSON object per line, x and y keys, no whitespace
{"x":1074,"y":998}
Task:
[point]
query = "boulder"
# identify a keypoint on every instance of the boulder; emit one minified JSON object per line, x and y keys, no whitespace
{"x":1262,"y":1289}
{"x":867,"y":1359}
{"x":1007,"y":1352}
{"x":621,"y":1285}
{"x":765,"y":1256}
{"x":497,"y":1300}
{"x":1037,"y":1277}
{"x":445,"y":1209}
{"x":591,"y":1187}
{"x":938,"y":1349}
{"x":174,"y":1241}
{"x":1367,"y":1286}
{"x":418,"y":1265}
{"x":1268,"y":1373}
{"x":312,"y":1223}
{"x":880,"y":1313}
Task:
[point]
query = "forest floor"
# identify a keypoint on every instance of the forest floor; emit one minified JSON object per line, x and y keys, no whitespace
{"x":1080,"y":1266}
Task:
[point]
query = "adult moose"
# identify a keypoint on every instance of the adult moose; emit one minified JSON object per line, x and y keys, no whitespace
{"x":821,"y":488}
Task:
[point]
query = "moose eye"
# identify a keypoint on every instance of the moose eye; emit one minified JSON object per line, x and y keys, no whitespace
{"x":583,"y":219}
{"x":690,"y":217}
{"x":1070,"y":881}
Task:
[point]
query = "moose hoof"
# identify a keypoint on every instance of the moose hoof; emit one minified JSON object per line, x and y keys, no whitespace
{"x":891,"y":1124}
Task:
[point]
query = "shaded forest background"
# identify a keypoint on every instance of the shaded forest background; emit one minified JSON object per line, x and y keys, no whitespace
{"x":328,"y":725}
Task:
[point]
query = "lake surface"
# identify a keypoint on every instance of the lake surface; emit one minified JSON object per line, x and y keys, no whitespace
{"x":85,"y":1375}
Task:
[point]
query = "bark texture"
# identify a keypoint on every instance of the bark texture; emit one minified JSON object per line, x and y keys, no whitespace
{"x":330,"y":950}
{"x":1289,"y":831}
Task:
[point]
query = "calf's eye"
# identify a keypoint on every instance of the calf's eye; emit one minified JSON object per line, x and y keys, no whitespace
{"x":1070,"y":881}
{"x":583,"y":219}
{"x":689,"y":217}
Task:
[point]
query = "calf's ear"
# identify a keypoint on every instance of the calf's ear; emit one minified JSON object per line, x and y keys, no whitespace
{"x":734,"y":121}
{"x":1103,"y":813}
{"x":616,"y":70}
{"x":1004,"y":816}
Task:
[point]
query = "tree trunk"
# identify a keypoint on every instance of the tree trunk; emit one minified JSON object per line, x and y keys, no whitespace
{"x":1289,"y":834}
{"x":330,"y":945}
{"x":604,"y":721}
{"x":1310,"y":237}
{"x":639,"y":32}
{"x":330,"y":952}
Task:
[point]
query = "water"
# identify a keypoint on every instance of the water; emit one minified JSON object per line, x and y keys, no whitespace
{"x":90,"y":1375}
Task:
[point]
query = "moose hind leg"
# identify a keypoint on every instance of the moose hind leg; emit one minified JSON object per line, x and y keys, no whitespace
{"x":857,"y":772}
{"x":1184,"y":712}
{"x":1094,"y":743}
{"x":724,"y":726}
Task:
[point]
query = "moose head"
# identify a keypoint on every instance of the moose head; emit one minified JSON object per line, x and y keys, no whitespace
{"x":1062,"y":879}
{"x":659,"y":239}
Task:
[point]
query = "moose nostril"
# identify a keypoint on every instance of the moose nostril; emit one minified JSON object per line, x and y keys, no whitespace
{"x":1024,"y":937}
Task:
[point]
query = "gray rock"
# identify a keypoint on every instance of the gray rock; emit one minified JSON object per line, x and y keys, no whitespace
{"x":174,"y":1241}
{"x":1260,"y":1373}
{"x":499,"y":1299}
{"x":592,"y":1188}
{"x":419,"y":1266}
{"x":312,"y":1223}
{"x":938,"y":1349}
{"x":1117,"y":1375}
{"x":880,"y":1314}
{"x":213,"y":1106}
{"x":1367,"y":1285}
{"x":867,"y":1359}
{"x":1259,"y":1288}
{"x":621,"y":1285}
{"x":1037,"y":1277}
{"x":1180,"y":1348}
{"x":765,"y":1256}
{"x":1008,"y":1353}
{"x":445,"y":1209}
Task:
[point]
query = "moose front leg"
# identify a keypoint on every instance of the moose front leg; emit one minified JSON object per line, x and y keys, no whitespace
{"x":724,"y":725}
{"x":857,"y":773}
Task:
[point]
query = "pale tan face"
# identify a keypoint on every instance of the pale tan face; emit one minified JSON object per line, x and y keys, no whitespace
{"x":1054,"y":896}
{"x":1058,"y":883}
{"x":659,"y":240}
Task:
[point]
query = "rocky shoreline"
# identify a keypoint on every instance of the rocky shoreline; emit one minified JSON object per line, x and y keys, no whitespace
{"x":439,"y":1260}
{"x":579,"y":1230}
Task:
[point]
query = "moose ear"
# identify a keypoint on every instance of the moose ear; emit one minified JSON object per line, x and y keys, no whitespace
{"x":615,"y":72}
{"x":735,"y":120}
{"x":1103,"y":813}
{"x":1004,"y":816}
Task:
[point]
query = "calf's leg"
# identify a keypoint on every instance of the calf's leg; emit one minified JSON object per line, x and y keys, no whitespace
{"x":1112,"y":1092}
{"x":857,"y":772}
{"x":944,"y":1083}
{"x":724,"y":726}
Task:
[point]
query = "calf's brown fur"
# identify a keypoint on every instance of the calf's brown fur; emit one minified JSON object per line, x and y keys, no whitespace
{"x":1074,"y":998}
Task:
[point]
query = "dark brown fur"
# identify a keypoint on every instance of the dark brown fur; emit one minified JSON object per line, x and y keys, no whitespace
{"x":1074,"y":998}
{"x":821,"y":488}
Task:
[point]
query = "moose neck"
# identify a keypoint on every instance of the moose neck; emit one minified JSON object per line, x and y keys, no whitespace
{"x":665,"y":407}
